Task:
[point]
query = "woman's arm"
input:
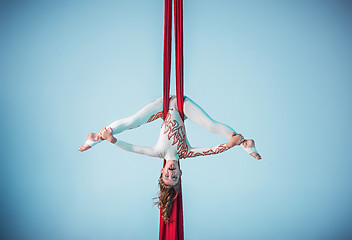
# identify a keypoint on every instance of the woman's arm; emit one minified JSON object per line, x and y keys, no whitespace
{"x":137,"y":149}
{"x":106,"y":134}
{"x":195,"y":152}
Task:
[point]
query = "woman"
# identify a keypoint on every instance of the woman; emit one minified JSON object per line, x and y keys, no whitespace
{"x":172,"y":144}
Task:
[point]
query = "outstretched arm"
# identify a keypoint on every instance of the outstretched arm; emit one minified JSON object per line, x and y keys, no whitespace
{"x":195,"y":152}
{"x":106,"y":133}
{"x":137,"y":149}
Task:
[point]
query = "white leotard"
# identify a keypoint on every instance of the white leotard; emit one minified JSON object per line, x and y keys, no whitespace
{"x":172,"y":143}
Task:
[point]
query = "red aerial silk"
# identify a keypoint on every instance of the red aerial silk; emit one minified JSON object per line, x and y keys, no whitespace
{"x":173,"y":230}
{"x":167,"y":56}
{"x":178,"y":54}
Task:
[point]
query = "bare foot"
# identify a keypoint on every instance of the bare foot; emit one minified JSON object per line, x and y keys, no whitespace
{"x":91,"y":136}
{"x":250,"y":144}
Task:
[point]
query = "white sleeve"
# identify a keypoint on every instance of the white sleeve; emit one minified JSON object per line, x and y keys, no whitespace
{"x":137,"y":149}
{"x":147,"y":114}
{"x":195,"y":152}
{"x":197,"y":115}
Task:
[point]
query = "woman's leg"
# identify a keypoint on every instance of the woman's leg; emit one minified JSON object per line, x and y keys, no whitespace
{"x":196,"y":114}
{"x":147,"y":114}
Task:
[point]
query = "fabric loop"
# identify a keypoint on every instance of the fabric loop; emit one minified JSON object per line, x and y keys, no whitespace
{"x":173,"y":230}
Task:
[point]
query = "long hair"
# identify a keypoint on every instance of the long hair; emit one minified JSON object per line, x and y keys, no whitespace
{"x":166,"y":198}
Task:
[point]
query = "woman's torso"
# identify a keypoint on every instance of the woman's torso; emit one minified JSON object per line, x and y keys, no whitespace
{"x":172,"y":143}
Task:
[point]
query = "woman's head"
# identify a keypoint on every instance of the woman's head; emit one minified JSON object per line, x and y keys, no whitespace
{"x":169,"y":183}
{"x":167,"y":196}
{"x":171,"y":173}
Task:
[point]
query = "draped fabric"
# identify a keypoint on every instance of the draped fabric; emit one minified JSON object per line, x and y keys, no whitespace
{"x":173,"y":230}
{"x":167,"y":55}
{"x":178,"y":17}
{"x":179,"y":54}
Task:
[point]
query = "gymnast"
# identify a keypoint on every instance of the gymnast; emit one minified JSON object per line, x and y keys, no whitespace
{"x":172,"y":144}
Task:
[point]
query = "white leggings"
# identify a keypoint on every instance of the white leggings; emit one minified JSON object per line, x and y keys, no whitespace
{"x":192,"y":111}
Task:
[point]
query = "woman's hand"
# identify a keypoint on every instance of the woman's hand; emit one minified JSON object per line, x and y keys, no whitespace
{"x":236,"y":139}
{"x":106,"y":133}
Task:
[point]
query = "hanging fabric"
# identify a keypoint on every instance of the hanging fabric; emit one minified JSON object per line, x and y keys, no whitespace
{"x":173,"y":230}
{"x":167,"y":55}
{"x":179,"y":54}
{"x":178,"y":23}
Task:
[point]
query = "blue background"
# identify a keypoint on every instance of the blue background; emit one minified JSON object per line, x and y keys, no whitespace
{"x":276,"y":71}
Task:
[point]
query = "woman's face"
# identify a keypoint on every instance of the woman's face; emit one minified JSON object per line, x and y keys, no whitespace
{"x":171,"y":173}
